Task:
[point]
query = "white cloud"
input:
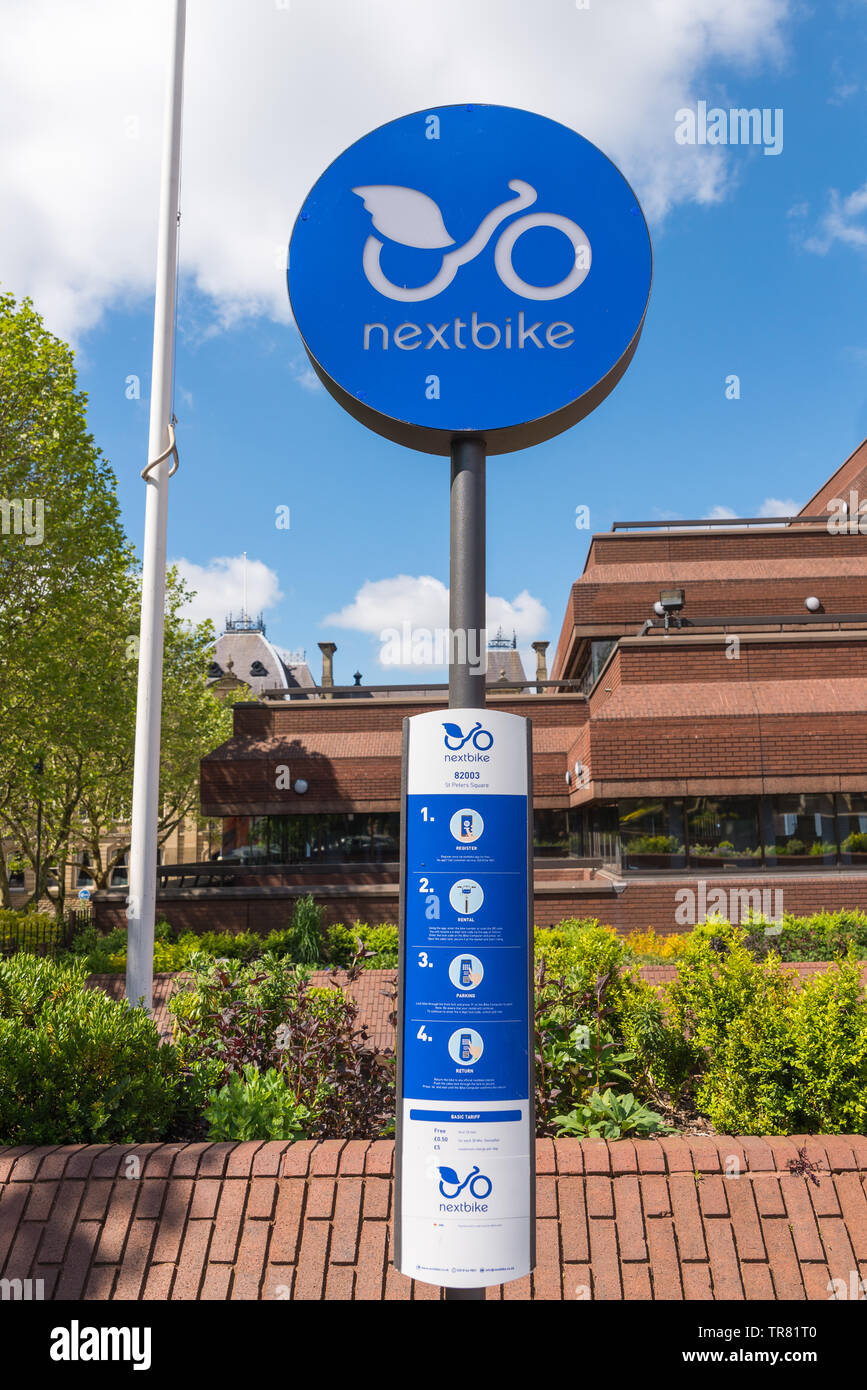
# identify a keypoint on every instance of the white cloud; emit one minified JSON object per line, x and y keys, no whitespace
{"x":415,"y":604}
{"x":274,"y":93}
{"x":219,"y":588}
{"x":845,"y":221}
{"x":779,"y":506}
{"x":303,"y":373}
{"x":772,"y":506}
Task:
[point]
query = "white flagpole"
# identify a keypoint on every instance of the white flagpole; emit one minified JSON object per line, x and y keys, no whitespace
{"x":141,"y":908}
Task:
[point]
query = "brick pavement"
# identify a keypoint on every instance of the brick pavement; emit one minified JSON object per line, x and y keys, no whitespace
{"x":676,"y":1218}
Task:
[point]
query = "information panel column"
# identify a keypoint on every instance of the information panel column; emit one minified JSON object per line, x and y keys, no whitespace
{"x":465,"y":1145}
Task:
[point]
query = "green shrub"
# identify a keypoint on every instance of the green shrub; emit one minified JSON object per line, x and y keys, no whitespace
{"x":256,"y":1105}
{"x":77,"y":1067}
{"x":771,"y":1058}
{"x":26,"y":931}
{"x":305,"y":931}
{"x":829,"y":1031}
{"x":610,"y":1117}
{"x":267,"y":1015}
{"x":341,"y":945}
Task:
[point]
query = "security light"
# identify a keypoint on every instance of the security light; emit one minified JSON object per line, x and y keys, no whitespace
{"x":658,"y":609}
{"x":568,"y":778}
{"x":813,"y":603}
{"x":670,"y":600}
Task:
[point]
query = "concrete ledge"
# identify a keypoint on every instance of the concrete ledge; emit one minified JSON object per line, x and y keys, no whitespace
{"x":675,"y":1218}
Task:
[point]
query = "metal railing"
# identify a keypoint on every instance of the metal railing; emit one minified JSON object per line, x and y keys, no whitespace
{"x":411,"y":692}
{"x":706,"y":522}
{"x":38,"y":934}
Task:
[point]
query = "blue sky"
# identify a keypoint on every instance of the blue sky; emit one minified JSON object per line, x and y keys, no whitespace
{"x":760,"y":269}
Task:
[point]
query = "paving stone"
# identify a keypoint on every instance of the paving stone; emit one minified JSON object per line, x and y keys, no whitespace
{"x":664,"y":1264}
{"x":630,"y":1220}
{"x":250,"y":1264}
{"x":573,"y":1220}
{"x":627,"y":1220}
{"x":685,"y":1209}
{"x":546,"y":1196}
{"x":604,"y":1260}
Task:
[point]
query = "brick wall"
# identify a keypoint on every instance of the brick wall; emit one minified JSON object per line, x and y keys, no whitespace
{"x":643,"y":903}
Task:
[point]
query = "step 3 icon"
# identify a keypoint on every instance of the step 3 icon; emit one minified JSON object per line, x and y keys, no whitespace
{"x":466,"y":825}
{"x":465,"y":972}
{"x":466,"y":896}
{"x":466,"y":1047}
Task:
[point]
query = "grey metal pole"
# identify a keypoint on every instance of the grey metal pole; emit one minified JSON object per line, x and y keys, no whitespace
{"x":467,"y":574}
{"x":467,"y":611}
{"x":141,"y":909}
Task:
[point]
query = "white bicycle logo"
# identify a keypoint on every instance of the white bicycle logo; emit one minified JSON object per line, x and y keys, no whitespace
{"x":411,"y":218}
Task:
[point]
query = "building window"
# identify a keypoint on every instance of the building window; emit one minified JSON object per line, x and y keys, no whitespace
{"x":852,"y":827}
{"x":651,"y":834}
{"x":724,"y":831}
{"x":799,"y":831}
{"x":600,"y":650}
{"x":317,"y":839}
{"x":120,"y":873}
{"x":554,"y":834}
{"x":83,"y":878}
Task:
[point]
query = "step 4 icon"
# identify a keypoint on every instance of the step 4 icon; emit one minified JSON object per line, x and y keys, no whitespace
{"x":465,"y":972}
{"x":466,"y":896}
{"x":466,"y":1047}
{"x":466,"y":825}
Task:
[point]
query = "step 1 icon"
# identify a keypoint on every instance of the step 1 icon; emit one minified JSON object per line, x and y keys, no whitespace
{"x":466,"y":825}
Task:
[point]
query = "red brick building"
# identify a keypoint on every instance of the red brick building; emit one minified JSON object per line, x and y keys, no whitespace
{"x":703,"y":732}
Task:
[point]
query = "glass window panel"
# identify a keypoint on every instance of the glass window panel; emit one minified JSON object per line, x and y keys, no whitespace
{"x":551,"y":837}
{"x":651,"y":834}
{"x":852,"y":827}
{"x":723,"y":830}
{"x":799,"y":830}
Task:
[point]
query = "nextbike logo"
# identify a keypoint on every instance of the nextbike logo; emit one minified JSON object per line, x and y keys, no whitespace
{"x":451,"y":1187}
{"x":455,"y":738}
{"x":413,"y":219}
{"x":409,"y":217}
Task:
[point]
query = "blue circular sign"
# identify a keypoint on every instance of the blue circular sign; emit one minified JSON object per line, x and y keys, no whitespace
{"x":470,"y":270}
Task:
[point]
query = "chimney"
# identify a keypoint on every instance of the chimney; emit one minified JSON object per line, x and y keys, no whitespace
{"x":327,"y":649}
{"x":540,"y":649}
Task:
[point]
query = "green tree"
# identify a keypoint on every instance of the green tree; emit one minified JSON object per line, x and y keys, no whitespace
{"x":65,"y":578}
{"x":193,"y":723}
{"x":69,"y":621}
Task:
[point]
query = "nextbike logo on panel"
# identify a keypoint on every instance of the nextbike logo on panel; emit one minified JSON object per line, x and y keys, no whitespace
{"x":410,"y":218}
{"x":470,"y":270}
{"x":455,"y":739}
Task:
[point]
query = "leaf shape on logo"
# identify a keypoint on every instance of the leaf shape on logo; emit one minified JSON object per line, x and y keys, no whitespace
{"x":449,"y":1175}
{"x":405,"y":215}
{"x":454,"y":730}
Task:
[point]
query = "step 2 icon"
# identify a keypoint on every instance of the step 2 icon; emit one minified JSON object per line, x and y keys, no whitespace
{"x":466,"y":896}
